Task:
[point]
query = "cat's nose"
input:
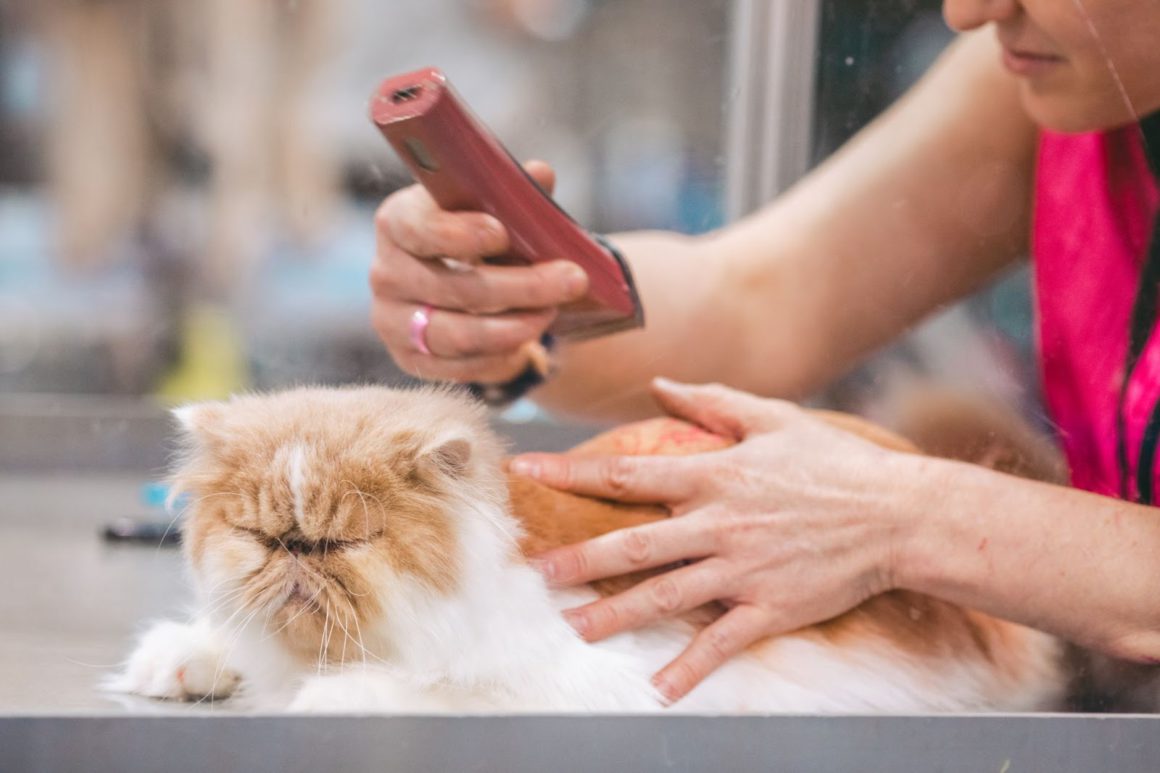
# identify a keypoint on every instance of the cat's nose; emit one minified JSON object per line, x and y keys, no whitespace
{"x":304,"y":547}
{"x":299,"y":547}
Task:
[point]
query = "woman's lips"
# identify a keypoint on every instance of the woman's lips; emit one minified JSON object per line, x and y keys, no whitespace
{"x":1029,"y":63}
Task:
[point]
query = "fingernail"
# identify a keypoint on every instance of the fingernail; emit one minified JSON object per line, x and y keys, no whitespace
{"x":665,"y":689}
{"x":489,"y":233}
{"x":664,"y":383}
{"x":545,"y":568}
{"x":525,"y":467}
{"x":575,"y":280}
{"x":577,"y":620}
{"x":492,"y":226}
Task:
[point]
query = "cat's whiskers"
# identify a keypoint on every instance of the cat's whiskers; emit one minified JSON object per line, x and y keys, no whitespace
{"x":220,"y":603}
{"x":347,"y":637}
{"x":180,"y":512}
{"x":307,"y":606}
{"x":188,"y":506}
{"x":245,"y":588}
{"x":324,"y":640}
{"x":241,"y":608}
{"x":361,"y":642}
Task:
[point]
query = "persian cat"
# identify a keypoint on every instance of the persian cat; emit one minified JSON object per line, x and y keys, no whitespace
{"x":362,"y":549}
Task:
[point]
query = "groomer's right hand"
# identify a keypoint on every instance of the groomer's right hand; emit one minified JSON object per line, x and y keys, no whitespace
{"x":480,"y":314}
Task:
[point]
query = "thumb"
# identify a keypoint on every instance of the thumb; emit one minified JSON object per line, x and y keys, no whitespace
{"x":722,"y":410}
{"x":543,"y":174}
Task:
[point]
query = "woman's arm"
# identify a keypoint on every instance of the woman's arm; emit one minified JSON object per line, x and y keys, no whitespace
{"x":800,"y":522}
{"x":1076,"y":564}
{"x":922,"y":207}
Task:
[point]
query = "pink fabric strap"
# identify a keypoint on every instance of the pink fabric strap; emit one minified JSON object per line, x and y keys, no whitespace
{"x":1095,"y":199}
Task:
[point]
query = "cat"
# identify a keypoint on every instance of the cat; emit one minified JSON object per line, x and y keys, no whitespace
{"x":362,"y":549}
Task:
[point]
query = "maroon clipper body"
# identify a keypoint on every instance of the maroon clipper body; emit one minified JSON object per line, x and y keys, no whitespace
{"x":465,"y":167}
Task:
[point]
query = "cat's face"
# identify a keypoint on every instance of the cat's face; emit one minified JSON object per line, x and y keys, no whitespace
{"x":308,"y":506}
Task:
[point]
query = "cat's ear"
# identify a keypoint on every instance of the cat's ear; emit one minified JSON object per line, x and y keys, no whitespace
{"x":201,"y":421}
{"x":450,"y":456}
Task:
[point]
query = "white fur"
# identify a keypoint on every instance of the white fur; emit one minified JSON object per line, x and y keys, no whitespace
{"x":296,"y":475}
{"x":178,"y":662}
{"x":498,"y":644}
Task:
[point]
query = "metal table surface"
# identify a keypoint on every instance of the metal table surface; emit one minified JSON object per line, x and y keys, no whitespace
{"x":70,"y":603}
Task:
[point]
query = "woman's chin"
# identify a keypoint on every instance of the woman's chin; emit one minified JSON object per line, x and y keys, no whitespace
{"x":1069,"y":114}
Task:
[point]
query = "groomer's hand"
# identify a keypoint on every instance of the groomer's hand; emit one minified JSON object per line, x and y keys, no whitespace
{"x":792,"y":526}
{"x":481,"y":315}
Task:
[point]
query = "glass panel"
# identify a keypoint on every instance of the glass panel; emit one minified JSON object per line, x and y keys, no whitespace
{"x":869,"y":55}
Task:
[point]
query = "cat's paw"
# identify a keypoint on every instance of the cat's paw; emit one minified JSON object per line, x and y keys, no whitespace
{"x":177,"y":661}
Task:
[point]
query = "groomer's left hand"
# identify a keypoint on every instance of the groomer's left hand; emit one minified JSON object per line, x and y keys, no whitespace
{"x":792,"y":526}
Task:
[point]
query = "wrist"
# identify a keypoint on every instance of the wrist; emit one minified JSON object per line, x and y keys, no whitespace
{"x":540,"y":365}
{"x":914,"y":513}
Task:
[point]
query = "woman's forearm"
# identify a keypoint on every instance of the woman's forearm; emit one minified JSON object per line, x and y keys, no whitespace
{"x":1082,"y":566}
{"x":924,"y":206}
{"x":688,"y":333}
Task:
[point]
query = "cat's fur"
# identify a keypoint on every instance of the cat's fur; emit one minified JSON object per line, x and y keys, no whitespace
{"x":362,"y":550}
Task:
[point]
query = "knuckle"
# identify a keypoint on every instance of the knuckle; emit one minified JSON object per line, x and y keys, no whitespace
{"x":384,"y":280}
{"x":403,"y":232}
{"x":718,"y":642}
{"x":456,"y":296}
{"x":619,"y":473}
{"x":442,"y":235}
{"x":666,"y":594}
{"x":637,"y":546}
{"x":462,"y":339}
{"x":384,"y":215}
{"x":395,"y":217}
{"x":606,"y":618}
{"x":474,"y":298}
{"x":577,"y":564}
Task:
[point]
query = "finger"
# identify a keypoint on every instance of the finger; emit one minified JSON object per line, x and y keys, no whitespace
{"x":480,"y":290}
{"x":720,"y":409}
{"x":641,"y":479}
{"x":543,"y":174}
{"x":413,"y":221}
{"x":485,"y":369}
{"x":625,"y":550}
{"x":710,"y":648}
{"x":654,"y":599}
{"x":453,"y":335}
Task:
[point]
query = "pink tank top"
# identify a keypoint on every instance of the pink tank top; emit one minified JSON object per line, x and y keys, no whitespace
{"x":1095,"y":198}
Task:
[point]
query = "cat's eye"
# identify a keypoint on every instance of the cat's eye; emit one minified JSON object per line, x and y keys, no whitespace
{"x":255,"y":533}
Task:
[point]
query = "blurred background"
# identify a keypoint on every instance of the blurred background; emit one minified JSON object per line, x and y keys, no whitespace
{"x":186,"y":189}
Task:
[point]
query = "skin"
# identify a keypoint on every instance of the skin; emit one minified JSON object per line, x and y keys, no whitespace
{"x":932,"y":200}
